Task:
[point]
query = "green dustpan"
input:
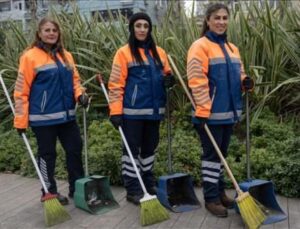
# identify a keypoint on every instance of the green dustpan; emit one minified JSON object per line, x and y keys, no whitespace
{"x":93,"y":193}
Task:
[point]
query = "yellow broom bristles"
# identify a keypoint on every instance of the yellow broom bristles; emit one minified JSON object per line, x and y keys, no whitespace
{"x":152,"y":212}
{"x":251,"y":212}
{"x":54,"y":212}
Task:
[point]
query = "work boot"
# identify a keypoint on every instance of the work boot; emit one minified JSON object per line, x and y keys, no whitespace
{"x":216,"y":208}
{"x":62,"y":199}
{"x":71,"y":195}
{"x":226,"y":201}
{"x":134,"y":198}
{"x":152,"y":190}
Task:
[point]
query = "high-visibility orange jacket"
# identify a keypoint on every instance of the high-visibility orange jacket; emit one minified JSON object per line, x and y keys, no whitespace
{"x":46,"y":90}
{"x":215,"y":72}
{"x":137,"y":91}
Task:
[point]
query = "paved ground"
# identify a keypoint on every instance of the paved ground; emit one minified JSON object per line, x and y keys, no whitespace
{"x":20,"y":208}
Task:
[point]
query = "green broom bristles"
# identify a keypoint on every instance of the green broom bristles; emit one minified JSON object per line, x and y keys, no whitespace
{"x":152,"y":211}
{"x":54,"y":212}
{"x":251,"y":212}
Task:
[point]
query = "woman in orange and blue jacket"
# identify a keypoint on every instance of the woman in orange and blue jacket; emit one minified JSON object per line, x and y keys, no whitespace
{"x":46,"y":91}
{"x":137,"y":97}
{"x":216,"y":78}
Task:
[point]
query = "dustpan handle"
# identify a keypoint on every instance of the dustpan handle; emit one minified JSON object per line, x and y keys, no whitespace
{"x":247,"y":136}
{"x":85,"y":143}
{"x":99,"y":77}
{"x":235,"y":184}
{"x":169,"y":133}
{"x":24,"y":138}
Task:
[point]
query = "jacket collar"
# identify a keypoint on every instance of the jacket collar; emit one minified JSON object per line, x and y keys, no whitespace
{"x":220,"y":39}
{"x":143,"y":44}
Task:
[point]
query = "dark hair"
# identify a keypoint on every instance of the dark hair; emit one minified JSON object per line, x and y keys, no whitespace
{"x":59,"y":44}
{"x":138,"y":16}
{"x":209,"y":11}
{"x":134,"y":43}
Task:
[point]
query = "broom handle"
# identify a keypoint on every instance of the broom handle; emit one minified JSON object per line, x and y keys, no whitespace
{"x":85,"y":143}
{"x":132,"y":160}
{"x":248,"y":136}
{"x":99,"y":77}
{"x":235,"y":184}
{"x":24,"y":137}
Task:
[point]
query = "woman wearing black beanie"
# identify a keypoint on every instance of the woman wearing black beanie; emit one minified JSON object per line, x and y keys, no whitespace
{"x":140,"y":73}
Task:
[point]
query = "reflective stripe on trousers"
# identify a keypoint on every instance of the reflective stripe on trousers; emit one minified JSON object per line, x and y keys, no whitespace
{"x":142,"y":137}
{"x":212,"y":169}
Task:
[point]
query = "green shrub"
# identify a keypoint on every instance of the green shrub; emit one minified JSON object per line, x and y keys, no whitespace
{"x":14,"y":156}
{"x":104,"y":151}
{"x":185,"y":151}
{"x":275,"y":153}
{"x":238,"y":169}
{"x":267,"y":130}
{"x":27,"y":168}
{"x":236,"y":149}
{"x":285,"y":176}
{"x":273,"y":144}
{"x":12,"y":151}
{"x":262,"y":163}
{"x":293,"y":147}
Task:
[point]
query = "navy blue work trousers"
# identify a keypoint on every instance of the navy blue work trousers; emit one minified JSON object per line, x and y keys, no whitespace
{"x":212,"y":168}
{"x":143,"y":138}
{"x":69,"y":137}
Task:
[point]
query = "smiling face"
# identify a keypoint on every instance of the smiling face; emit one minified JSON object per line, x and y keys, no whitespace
{"x":218,"y":21}
{"x":49,"y":33}
{"x":141,"y":29}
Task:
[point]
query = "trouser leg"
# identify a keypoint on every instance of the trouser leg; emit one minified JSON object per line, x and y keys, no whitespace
{"x":69,"y":136}
{"x":211,"y":164}
{"x":146,"y":159}
{"x":133,"y":130}
{"x":46,"y":141}
{"x":227,"y":132}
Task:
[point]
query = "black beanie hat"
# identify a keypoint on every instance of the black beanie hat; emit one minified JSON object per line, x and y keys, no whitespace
{"x":138,"y":16}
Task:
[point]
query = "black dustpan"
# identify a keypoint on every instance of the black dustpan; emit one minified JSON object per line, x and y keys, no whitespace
{"x":176,"y":191}
{"x":261,"y":190}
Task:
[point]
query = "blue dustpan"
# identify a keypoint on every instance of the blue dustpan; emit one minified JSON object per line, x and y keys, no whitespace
{"x":176,"y":192}
{"x":261,"y":190}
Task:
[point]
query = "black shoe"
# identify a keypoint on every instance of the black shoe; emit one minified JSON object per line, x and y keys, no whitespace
{"x":62,"y":199}
{"x":152,"y":190}
{"x":134,"y":198}
{"x":71,"y":195}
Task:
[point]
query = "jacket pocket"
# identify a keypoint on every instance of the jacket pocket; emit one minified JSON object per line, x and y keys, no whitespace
{"x":44,"y":101}
{"x":134,"y":94}
{"x":213,"y":95}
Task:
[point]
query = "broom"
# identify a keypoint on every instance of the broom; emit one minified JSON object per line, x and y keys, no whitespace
{"x":151,"y":210}
{"x":250,"y":209}
{"x":54,"y":212}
